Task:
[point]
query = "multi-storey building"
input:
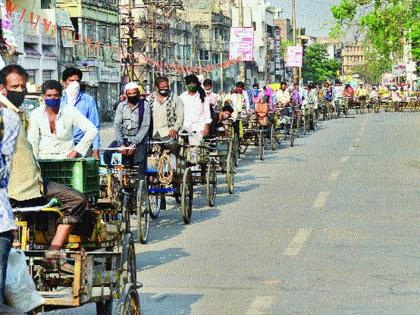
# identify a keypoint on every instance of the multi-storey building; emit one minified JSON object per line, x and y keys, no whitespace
{"x":97,"y":35}
{"x":212,"y":26}
{"x":259,"y":15}
{"x":35,"y":42}
{"x":353,"y":56}
{"x":158,"y":33}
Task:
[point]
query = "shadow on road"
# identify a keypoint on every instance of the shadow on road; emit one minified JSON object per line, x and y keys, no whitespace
{"x":168,"y":304}
{"x":151,"y":259}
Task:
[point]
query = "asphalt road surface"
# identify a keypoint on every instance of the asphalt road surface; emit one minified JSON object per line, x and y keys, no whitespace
{"x":330,"y":226}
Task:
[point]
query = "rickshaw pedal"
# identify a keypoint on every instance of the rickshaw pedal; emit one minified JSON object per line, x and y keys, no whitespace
{"x":139,"y":285}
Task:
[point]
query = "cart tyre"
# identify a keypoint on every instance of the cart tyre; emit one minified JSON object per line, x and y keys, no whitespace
{"x":129,"y":302}
{"x":155,"y":202}
{"x":273,"y":138}
{"x":128,"y":261}
{"x":229,"y":175}
{"x":143,"y":212}
{"x":211,"y":184}
{"x":261,"y":144}
{"x":187,"y":196}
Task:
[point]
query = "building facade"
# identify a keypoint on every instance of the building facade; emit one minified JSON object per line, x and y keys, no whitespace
{"x":353,"y":56}
{"x":97,"y":38}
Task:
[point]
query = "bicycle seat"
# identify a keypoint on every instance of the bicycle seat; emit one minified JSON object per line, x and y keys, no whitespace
{"x":47,"y":207}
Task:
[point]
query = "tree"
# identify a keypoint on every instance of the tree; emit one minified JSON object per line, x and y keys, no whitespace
{"x":317,"y":67}
{"x":374,"y":67}
{"x":387,"y":25}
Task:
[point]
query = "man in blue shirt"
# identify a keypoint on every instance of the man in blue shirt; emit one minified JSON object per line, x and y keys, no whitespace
{"x":83,"y":102}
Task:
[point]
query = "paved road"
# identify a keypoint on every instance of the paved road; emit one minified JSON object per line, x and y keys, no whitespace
{"x":330,"y":226}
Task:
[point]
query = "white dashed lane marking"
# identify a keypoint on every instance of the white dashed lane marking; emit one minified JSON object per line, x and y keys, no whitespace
{"x":297,"y":243}
{"x":261,"y":305}
{"x":334,"y":175}
{"x":322,"y":199}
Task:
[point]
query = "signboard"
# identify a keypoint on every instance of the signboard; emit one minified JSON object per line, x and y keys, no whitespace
{"x":294,"y":56}
{"x":241,"y":43}
{"x":278,"y":51}
{"x":109,"y":74}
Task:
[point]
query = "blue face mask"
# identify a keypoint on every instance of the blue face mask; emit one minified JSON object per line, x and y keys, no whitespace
{"x":52,"y":103}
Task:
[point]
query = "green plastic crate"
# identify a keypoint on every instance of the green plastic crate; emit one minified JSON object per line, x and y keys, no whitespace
{"x":81,"y":174}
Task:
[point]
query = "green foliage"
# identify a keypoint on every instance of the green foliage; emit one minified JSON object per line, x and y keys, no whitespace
{"x":386,"y":24}
{"x":316,"y":65}
{"x":374,"y":68}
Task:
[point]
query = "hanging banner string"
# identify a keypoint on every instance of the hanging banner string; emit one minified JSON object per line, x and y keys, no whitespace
{"x":51,"y":29}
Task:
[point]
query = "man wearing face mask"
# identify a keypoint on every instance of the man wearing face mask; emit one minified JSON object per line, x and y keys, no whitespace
{"x":26,"y":187}
{"x":51,"y":127}
{"x":167,"y":110}
{"x":240,"y":104}
{"x":73,"y":96}
{"x":197,"y":117}
{"x":211,"y":97}
{"x":131,"y":125}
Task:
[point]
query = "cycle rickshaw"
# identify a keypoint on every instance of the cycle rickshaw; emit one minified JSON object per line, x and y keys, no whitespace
{"x":104,"y":263}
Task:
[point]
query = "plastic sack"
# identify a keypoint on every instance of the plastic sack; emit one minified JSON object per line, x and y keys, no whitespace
{"x":20,"y":288}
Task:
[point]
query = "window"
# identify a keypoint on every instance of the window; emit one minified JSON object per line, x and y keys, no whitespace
{"x":204,"y":55}
{"x":46,"y":75}
{"x":31,"y":76}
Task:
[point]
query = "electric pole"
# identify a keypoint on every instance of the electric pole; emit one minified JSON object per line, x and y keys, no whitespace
{"x":241,"y":24}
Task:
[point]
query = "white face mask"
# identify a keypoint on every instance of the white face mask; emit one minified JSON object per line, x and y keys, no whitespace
{"x":72,"y":91}
{"x":208,"y":91}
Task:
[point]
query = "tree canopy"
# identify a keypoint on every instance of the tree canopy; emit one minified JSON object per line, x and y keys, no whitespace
{"x":317,"y":67}
{"x":386,"y":24}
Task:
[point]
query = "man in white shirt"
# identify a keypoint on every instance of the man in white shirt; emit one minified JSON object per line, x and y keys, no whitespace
{"x":283,"y":95}
{"x":197,"y":116}
{"x":51,"y":127}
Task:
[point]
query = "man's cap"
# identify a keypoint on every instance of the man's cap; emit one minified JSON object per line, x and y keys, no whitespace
{"x":131,"y":85}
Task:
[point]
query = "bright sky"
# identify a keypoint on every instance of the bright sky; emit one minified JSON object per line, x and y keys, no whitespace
{"x":311,"y":14}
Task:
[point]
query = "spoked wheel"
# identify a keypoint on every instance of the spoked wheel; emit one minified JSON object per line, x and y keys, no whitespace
{"x":235,"y":147}
{"x":261,"y":144}
{"x":298,"y":123}
{"x":229,"y":174}
{"x":143,"y":212}
{"x":211,"y":184}
{"x":187,"y":196}
{"x":129,"y":302}
{"x":128,"y":265}
{"x":155,"y":202}
{"x":292,"y":135}
{"x":273,"y":138}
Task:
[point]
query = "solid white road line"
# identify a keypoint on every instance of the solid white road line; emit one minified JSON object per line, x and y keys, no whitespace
{"x":297,"y":243}
{"x":321,"y":200}
{"x":261,"y":305}
{"x":345,"y":159}
{"x":334,"y":175}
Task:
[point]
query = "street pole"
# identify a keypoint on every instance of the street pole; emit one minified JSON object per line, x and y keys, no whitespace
{"x":221,"y":62}
{"x":295,"y":69}
{"x":241,"y":24}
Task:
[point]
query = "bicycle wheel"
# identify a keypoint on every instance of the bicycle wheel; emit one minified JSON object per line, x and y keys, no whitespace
{"x":211,"y":184}
{"x":155,"y":202}
{"x":129,"y":302}
{"x":261,"y":144}
{"x":229,"y":174}
{"x":143,"y":212}
{"x":292,"y":135}
{"x":273,"y":139}
{"x":187,"y":196}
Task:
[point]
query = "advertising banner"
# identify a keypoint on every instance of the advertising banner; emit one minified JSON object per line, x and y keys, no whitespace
{"x":241,"y":43}
{"x":294,"y":56}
